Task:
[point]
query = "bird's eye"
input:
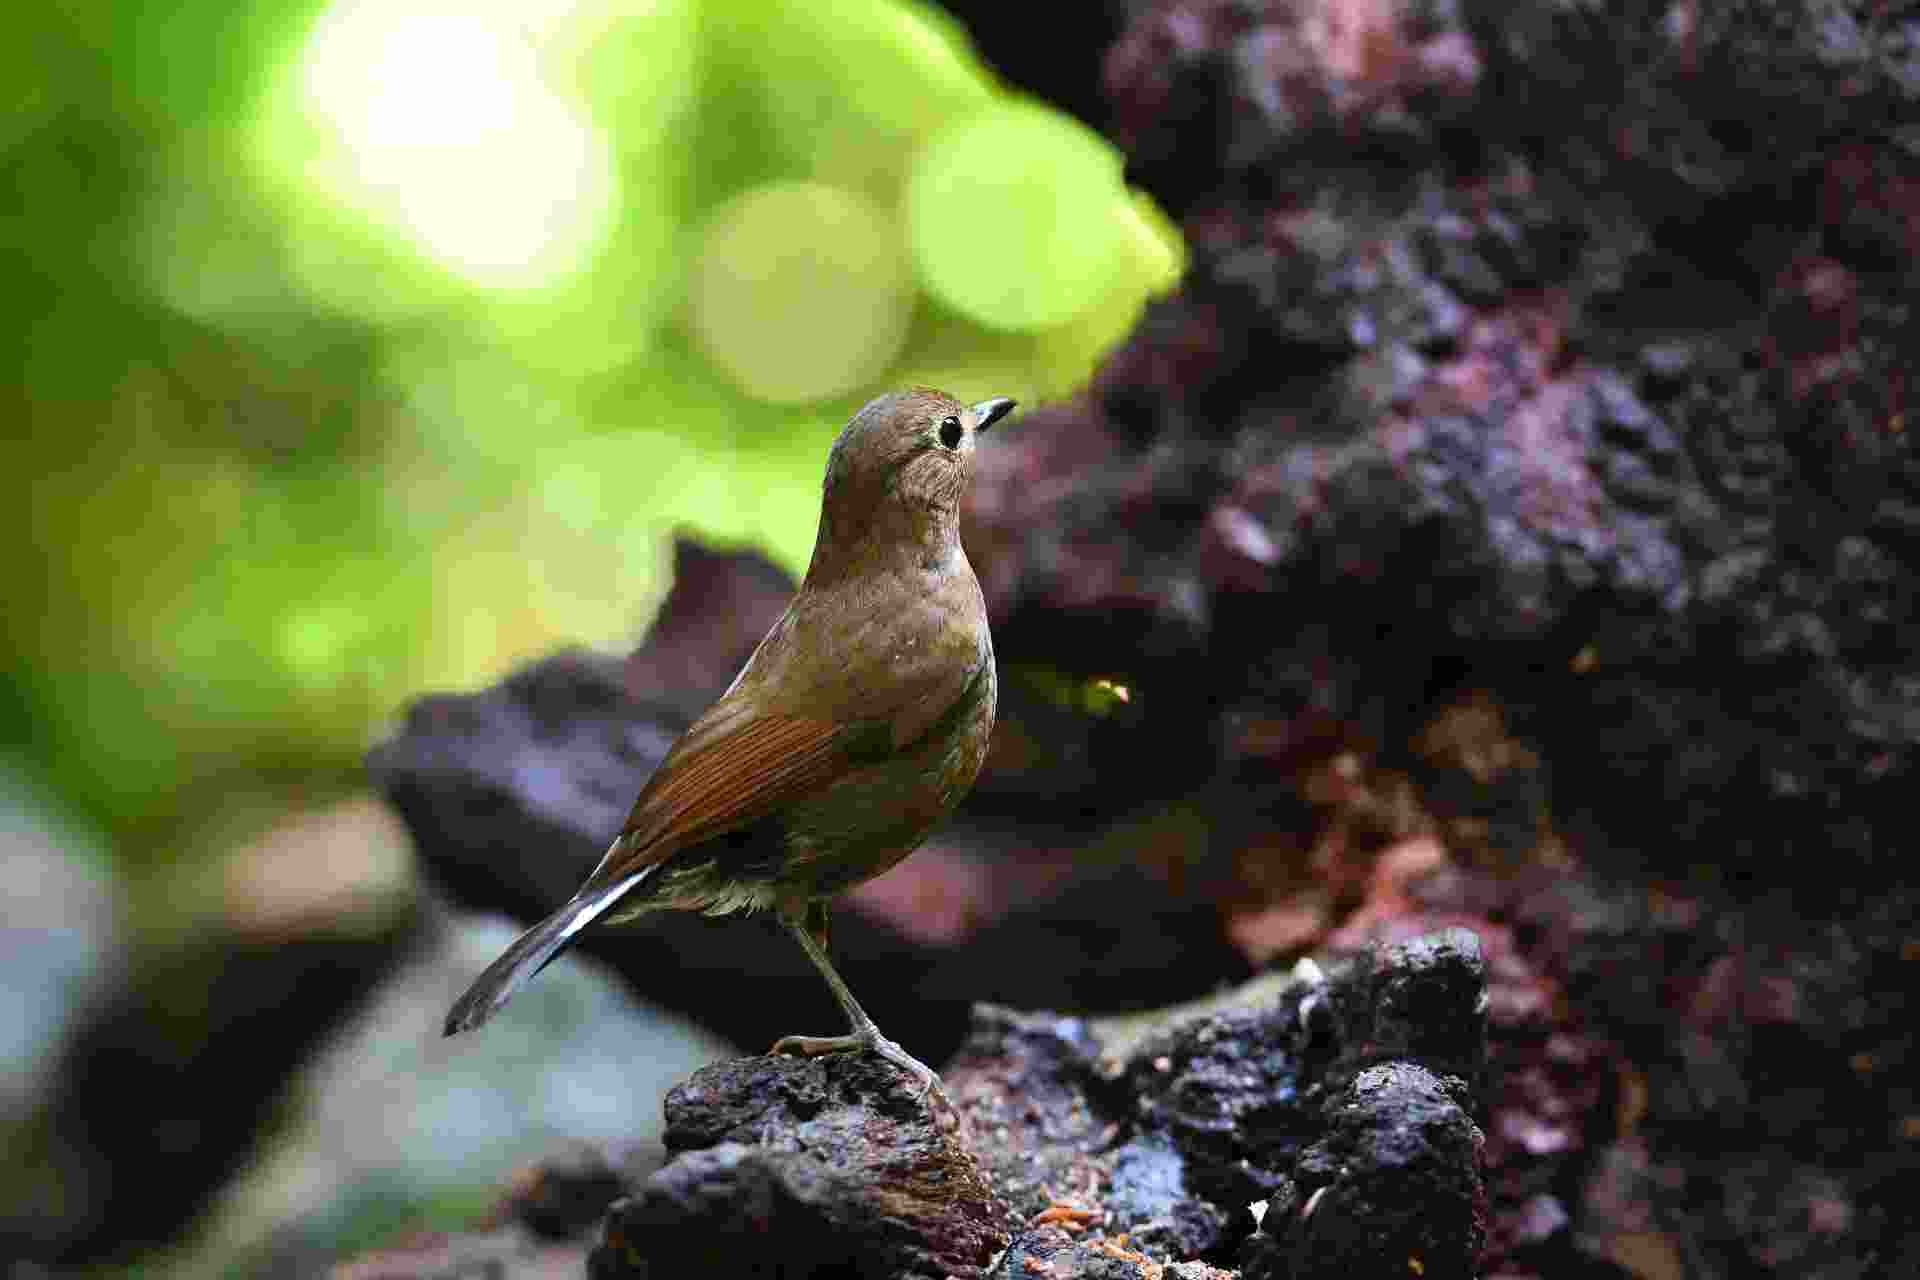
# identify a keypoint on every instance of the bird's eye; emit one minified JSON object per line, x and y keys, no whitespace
{"x":950,"y":431}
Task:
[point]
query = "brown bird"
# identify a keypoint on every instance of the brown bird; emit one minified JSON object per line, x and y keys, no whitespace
{"x":857,"y":725}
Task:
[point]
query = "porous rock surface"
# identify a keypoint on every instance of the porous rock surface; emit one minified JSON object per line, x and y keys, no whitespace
{"x":1341,"y":1106}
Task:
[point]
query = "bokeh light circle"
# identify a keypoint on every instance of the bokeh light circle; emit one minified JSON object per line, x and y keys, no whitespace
{"x":1011,"y":217}
{"x":442,"y":124}
{"x":800,"y":292}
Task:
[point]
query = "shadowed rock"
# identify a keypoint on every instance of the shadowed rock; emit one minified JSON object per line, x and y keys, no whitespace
{"x":791,"y":1167}
{"x":1393,"y":1188}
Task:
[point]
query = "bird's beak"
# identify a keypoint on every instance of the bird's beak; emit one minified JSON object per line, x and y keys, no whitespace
{"x":988,"y":412}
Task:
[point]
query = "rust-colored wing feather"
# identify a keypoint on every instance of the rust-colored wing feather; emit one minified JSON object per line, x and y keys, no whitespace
{"x":730,"y":769}
{"x":791,"y":725}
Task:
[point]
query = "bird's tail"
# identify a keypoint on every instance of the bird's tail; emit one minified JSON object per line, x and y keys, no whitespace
{"x":533,"y":951}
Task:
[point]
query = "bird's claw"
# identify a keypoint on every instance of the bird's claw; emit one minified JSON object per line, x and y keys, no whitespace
{"x":870,"y":1041}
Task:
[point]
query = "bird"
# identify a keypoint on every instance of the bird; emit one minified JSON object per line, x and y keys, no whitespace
{"x":857,"y":725}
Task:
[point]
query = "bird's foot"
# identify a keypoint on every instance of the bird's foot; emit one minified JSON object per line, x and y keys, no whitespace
{"x":871,"y":1041}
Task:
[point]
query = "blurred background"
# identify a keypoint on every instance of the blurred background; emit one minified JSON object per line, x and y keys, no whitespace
{"x":365,"y":349}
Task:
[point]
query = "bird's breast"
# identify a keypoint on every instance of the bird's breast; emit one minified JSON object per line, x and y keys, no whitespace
{"x":879,"y":813}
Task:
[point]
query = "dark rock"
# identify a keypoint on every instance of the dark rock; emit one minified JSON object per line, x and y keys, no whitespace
{"x":1225,"y":1093}
{"x":564,"y":1196}
{"x":789,"y":1167}
{"x":1670,"y":1078}
{"x":1023,"y":1082}
{"x":1759,"y":1084}
{"x":1393,"y":1187}
{"x":1148,"y":1191}
{"x":1550,"y":1075}
{"x":1159,"y":1141}
{"x":1521,"y":383}
{"x":552,"y":759}
{"x":549,"y":761}
{"x":181,"y":1066}
{"x":1424,"y":999}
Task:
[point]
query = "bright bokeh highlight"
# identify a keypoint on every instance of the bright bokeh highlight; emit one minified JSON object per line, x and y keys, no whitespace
{"x":441,"y":124}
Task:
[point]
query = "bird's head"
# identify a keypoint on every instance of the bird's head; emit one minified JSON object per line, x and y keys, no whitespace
{"x":898,"y":470}
{"x":917,"y":444}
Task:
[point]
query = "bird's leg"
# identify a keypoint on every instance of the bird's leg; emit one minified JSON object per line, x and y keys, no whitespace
{"x":810,"y":931}
{"x":818,"y":923}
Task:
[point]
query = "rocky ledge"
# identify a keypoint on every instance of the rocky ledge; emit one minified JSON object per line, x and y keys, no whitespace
{"x":1318,"y":1123}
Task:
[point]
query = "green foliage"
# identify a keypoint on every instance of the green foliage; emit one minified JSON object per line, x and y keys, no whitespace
{"x":373,"y":346}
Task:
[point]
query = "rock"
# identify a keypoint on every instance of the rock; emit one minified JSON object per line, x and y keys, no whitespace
{"x":791,"y":1167}
{"x":1526,"y":361}
{"x":1393,"y":1188}
{"x":1024,"y":1082}
{"x":1463,"y":410}
{"x":1155,"y":1139}
{"x":550,"y":762}
{"x":1065,"y":1148}
{"x":1423,"y":999}
{"x":1633,"y":1129}
{"x":181,"y":1062}
{"x":566,"y":1197}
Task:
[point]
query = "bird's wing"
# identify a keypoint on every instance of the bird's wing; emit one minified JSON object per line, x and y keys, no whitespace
{"x":731,"y":768}
{"x":755,"y":752}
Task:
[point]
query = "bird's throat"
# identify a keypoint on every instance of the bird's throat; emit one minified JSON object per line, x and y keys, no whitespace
{"x":912,"y":532}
